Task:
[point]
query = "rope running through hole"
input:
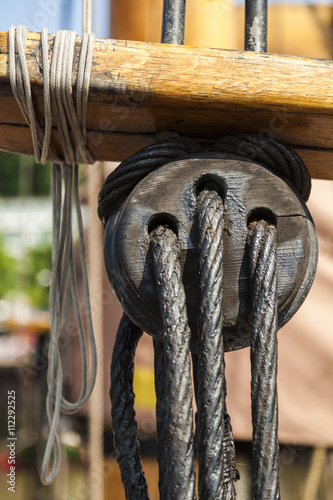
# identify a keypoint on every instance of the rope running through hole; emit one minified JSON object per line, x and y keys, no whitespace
{"x":263,"y":288}
{"x":210,"y":368}
{"x":215,"y":444}
{"x":177,"y":365}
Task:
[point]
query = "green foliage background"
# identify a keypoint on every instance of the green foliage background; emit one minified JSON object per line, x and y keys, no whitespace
{"x":22,"y":176}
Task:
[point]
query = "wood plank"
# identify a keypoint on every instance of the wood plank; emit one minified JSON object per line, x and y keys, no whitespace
{"x":138,"y":89}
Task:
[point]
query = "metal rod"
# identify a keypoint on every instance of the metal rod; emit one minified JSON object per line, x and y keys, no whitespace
{"x":173,"y":24}
{"x":256,"y":25}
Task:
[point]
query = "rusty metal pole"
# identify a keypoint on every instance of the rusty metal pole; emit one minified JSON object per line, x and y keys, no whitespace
{"x":256,"y":25}
{"x":173,"y":25}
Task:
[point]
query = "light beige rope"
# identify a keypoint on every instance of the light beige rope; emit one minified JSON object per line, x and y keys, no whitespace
{"x":71,"y":119}
{"x":20,"y":84}
{"x":87,"y":9}
{"x":71,"y":122}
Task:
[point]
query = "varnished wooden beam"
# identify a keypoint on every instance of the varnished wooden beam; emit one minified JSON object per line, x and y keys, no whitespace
{"x":138,"y":89}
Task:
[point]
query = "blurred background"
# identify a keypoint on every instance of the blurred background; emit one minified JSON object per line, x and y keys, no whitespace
{"x":305,"y":344}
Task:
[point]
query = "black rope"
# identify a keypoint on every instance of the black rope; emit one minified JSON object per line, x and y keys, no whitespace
{"x":217,"y":471}
{"x":277,"y":157}
{"x":230,"y":473}
{"x":178,"y":386}
{"x":263,"y":282}
{"x":215,"y":444}
{"x":161,"y":420}
{"x":124,"y":178}
{"x":210,"y":376}
{"x":123,"y":415}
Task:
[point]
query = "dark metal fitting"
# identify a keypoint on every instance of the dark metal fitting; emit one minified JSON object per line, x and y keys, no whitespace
{"x":168,"y":196}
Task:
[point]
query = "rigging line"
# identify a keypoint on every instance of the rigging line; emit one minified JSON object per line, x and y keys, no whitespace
{"x":57,"y":78}
{"x":277,"y":157}
{"x":123,"y":415}
{"x":68,"y":407}
{"x":230,"y":472}
{"x":210,"y":375}
{"x":216,"y":452}
{"x":173,"y":27}
{"x":47,"y":97}
{"x":263,"y":288}
{"x":87,"y":14}
{"x":20,"y":85}
{"x":161,"y":423}
{"x":54,"y":371}
{"x":177,"y":365}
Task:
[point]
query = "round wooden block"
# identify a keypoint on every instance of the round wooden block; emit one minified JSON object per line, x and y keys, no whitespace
{"x":168,"y":195}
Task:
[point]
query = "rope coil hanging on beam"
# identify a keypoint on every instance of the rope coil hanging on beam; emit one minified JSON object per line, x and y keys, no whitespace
{"x":71,"y":122}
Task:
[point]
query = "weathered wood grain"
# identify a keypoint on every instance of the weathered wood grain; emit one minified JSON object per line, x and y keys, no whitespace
{"x":169,"y":196}
{"x":138,"y":89}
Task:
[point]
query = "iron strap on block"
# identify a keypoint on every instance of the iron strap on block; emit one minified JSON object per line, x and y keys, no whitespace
{"x":168,"y":196}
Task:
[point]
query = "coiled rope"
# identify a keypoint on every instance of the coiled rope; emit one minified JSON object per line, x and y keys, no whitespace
{"x":126,"y":176}
{"x":71,"y":124}
{"x":275,"y":156}
{"x":215,"y":445}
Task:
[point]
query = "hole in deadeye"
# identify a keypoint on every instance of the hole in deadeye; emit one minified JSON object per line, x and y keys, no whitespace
{"x":210,"y":182}
{"x":261,"y":213}
{"x":163,"y":219}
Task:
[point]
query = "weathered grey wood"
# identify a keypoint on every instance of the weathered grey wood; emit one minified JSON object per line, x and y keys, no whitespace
{"x":248,"y":191}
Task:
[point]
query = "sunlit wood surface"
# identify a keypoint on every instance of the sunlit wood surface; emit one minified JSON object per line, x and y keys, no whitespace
{"x":138,"y":89}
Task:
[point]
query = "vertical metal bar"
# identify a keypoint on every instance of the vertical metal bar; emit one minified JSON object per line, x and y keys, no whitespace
{"x":256,"y":25}
{"x":173,"y":24}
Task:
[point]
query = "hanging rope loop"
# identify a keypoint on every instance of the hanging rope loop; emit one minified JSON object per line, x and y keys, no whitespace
{"x":71,"y":123}
{"x":126,"y":176}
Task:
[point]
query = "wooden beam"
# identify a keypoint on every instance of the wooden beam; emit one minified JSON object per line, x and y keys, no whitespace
{"x":138,"y":89}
